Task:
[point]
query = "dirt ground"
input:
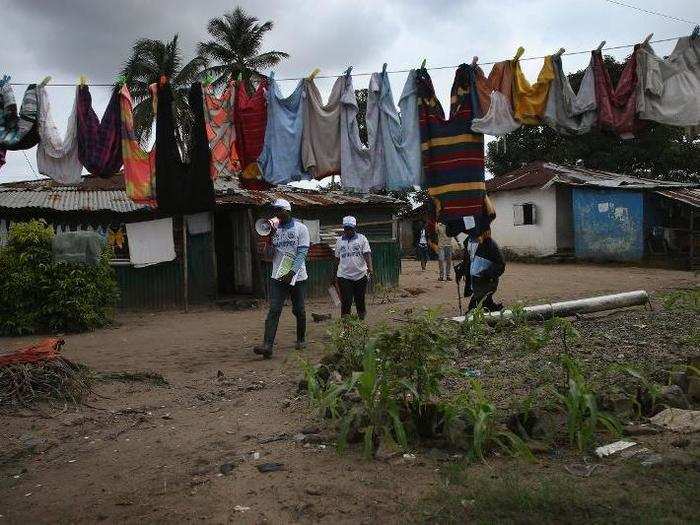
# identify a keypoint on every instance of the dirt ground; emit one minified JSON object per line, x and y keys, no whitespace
{"x":140,"y":452}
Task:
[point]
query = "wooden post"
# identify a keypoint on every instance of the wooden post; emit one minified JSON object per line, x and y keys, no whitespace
{"x":258,"y":287}
{"x":213,"y":255}
{"x":185,"y":269}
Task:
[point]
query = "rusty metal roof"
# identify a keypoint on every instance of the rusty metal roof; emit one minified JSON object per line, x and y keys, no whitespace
{"x":108,"y":194}
{"x":543,"y":174}
{"x":687,"y":195}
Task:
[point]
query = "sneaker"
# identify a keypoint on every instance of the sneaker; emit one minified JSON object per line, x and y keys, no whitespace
{"x":300,"y":345}
{"x":264,"y":350}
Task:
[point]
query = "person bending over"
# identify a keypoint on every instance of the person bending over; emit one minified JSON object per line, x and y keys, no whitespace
{"x":288,"y":246}
{"x":353,"y":268}
{"x":483,"y":266}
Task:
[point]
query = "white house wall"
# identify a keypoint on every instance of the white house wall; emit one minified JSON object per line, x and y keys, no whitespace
{"x":534,"y":239}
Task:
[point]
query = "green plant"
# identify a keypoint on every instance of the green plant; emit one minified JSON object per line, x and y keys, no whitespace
{"x":682,"y":299}
{"x":39,"y":293}
{"x":474,"y":329}
{"x":578,"y":402}
{"x":348,"y":337}
{"x":470,"y":422}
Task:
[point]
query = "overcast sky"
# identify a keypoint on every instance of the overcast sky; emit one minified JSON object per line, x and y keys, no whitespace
{"x":67,"y":38}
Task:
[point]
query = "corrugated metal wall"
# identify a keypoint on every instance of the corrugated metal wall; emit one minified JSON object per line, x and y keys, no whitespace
{"x":154,"y":287}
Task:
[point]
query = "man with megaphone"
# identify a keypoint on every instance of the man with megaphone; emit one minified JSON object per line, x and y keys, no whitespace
{"x":288,"y":244}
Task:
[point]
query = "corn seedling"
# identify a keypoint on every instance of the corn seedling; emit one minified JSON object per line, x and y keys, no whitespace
{"x":578,"y":402}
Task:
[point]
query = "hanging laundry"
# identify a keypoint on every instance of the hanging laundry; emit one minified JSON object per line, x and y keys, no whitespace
{"x":617,"y":107}
{"x":8,"y":110}
{"x":354,"y":156}
{"x":150,"y":242}
{"x":56,"y":157}
{"x":529,"y":100}
{"x":221,"y":132}
{"x":668,"y":91}
{"x":280,"y":160}
{"x":320,"y":142}
{"x":2,"y":158}
{"x":198,"y":223}
{"x":498,"y":120}
{"x":99,"y":142}
{"x":500,"y":79}
{"x":182,"y":187}
{"x":567,"y":112}
{"x":21,"y":133}
{"x":408,"y":108}
{"x":377,"y":173}
{"x":250,"y":118}
{"x":389,"y":160}
{"x":139,"y":166}
{"x":453,"y":155}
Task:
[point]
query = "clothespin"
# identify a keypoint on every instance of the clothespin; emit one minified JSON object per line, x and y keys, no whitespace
{"x":519,"y":53}
{"x":600,"y":46}
{"x":82,"y":80}
{"x":646,"y":40}
{"x":560,"y":52}
{"x":120,"y":80}
{"x":384,"y":68}
{"x":422,"y":65}
{"x":696,"y":32}
{"x":474,"y":61}
{"x":314,"y":73}
{"x":45,"y":81}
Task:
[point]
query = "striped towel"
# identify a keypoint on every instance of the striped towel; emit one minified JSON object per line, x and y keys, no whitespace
{"x":139,"y":166}
{"x":453,"y":156}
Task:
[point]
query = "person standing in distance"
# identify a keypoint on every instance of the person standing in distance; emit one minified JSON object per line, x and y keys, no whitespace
{"x":288,"y":246}
{"x":353,"y":268}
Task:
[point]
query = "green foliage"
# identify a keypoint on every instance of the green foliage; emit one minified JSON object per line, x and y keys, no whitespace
{"x":348,"y":337}
{"x":470,"y":422}
{"x":38,"y":293}
{"x":683,"y":299}
{"x":578,"y":402}
{"x":662,"y":152}
{"x":474,"y":330}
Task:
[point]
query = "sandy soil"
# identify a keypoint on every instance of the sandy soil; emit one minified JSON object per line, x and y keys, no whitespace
{"x":144,"y":453}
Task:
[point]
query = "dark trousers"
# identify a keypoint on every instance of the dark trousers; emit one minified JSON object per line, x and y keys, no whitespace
{"x":486,"y":301}
{"x":352,"y":290}
{"x":278,"y":294}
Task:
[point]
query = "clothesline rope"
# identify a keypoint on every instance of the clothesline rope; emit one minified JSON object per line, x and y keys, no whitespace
{"x":396,"y":71}
{"x":650,"y":12}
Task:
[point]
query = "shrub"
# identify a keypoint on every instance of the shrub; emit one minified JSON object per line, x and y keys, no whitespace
{"x":38,"y":293}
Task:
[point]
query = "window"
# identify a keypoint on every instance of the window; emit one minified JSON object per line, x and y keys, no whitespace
{"x":524,"y":214}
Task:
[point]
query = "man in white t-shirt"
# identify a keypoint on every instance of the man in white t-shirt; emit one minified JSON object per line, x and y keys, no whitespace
{"x":288,"y":245}
{"x":353,"y":267}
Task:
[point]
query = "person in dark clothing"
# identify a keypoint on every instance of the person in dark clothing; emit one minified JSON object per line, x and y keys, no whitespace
{"x":482,"y":267}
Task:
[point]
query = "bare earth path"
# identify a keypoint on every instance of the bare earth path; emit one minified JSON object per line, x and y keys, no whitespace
{"x":144,"y":453}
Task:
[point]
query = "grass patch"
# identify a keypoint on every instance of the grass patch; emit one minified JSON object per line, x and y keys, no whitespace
{"x":530,"y":494}
{"x":134,"y":377}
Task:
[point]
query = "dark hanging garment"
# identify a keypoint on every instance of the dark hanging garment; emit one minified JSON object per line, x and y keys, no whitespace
{"x":25,"y":133}
{"x":182,"y":187}
{"x":99,"y":142}
{"x":453,"y":155}
{"x":617,"y":107}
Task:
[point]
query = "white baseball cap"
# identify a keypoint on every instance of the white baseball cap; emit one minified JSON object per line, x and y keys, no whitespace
{"x":349,"y":221}
{"x":282,"y":204}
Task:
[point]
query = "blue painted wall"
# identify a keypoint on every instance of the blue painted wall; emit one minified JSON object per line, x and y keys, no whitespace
{"x":608,"y":224}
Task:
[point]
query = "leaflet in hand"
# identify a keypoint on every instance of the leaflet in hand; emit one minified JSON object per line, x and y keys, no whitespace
{"x":285,"y":266}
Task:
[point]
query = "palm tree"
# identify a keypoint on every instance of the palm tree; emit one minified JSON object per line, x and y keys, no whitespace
{"x":149,"y":60}
{"x":234,"y":48}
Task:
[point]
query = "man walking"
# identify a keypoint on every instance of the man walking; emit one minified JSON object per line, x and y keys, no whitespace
{"x":353,"y":267}
{"x":288,"y":245}
{"x":444,"y":245}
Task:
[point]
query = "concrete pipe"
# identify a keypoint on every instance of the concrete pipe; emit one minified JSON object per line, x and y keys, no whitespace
{"x":570,"y":308}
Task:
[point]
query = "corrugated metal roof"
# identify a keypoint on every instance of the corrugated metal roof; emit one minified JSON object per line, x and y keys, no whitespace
{"x":95,"y":194}
{"x":543,"y":174}
{"x":687,"y":195}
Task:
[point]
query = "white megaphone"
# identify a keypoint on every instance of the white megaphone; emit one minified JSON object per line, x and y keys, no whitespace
{"x":264,"y":227}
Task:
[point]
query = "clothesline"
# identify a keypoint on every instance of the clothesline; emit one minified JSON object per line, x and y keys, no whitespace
{"x":397,"y":71}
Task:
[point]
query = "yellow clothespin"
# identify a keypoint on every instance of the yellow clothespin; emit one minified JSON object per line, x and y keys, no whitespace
{"x":422,"y":66}
{"x":45,"y":81}
{"x":519,"y":53}
{"x":314,"y":73}
{"x":600,"y":46}
{"x":82,"y":80}
{"x":560,"y":52}
{"x":646,"y":40}
{"x":474,"y":61}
